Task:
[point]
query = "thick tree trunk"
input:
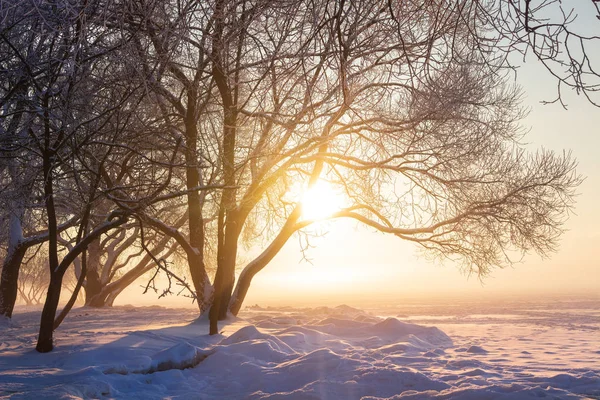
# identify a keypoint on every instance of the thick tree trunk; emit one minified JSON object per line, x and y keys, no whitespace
{"x":106,"y":296}
{"x":224,"y":278}
{"x":9,"y":280}
{"x":99,"y":300}
{"x":93,"y":283}
{"x":204,"y":290}
{"x":16,"y":251}
{"x":194,"y":202}
{"x":45,"y":339}
{"x":93,"y":288}
{"x":241,"y":290}
{"x":228,"y":269}
{"x":226,"y":248}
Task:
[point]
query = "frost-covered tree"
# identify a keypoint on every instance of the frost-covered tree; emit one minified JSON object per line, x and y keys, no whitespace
{"x":20,"y":168}
{"x":406,"y":107}
{"x":75,"y":114}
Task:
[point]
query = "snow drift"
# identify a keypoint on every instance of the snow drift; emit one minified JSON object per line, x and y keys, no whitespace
{"x":323,"y":353}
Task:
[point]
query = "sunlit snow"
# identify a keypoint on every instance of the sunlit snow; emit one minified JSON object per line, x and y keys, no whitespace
{"x":412,"y":351}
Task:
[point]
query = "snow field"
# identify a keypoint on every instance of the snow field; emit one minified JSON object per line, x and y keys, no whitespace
{"x":320,"y":353}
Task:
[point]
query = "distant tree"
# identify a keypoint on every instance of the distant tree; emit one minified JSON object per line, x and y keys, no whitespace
{"x":117,"y":259}
{"x":33,"y":278}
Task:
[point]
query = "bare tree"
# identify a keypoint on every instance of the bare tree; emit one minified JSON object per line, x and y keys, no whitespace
{"x":19,"y":168}
{"x":117,"y":260}
{"x":402,"y":101}
{"x":33,"y":278}
{"x":374,"y":102}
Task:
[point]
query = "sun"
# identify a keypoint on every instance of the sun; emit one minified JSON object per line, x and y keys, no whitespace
{"x":321,"y":201}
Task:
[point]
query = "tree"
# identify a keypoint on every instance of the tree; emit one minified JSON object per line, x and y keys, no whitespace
{"x":403,"y":100}
{"x":77,"y":106}
{"x":33,"y":279}
{"x":21,"y":183}
{"x":117,"y":260}
{"x":549,"y":31}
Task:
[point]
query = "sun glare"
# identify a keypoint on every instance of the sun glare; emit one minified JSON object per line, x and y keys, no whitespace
{"x":320,"y":201}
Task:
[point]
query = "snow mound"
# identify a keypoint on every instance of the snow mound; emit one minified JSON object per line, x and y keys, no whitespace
{"x":252,"y":334}
{"x":476,"y":350}
{"x":246,"y":333}
{"x":422,"y":337}
{"x":313,"y":363}
{"x":305,"y":338}
{"x":180,"y":356}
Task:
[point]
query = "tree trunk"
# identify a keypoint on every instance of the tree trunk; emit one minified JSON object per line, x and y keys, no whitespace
{"x":194,"y":201}
{"x":93,"y":288}
{"x":228,"y":231}
{"x":228,"y":269}
{"x":241,"y":289}
{"x":45,"y":344}
{"x":57,"y":272}
{"x":224,"y":277}
{"x":243,"y":284}
{"x":106,"y":296}
{"x":59,"y":319}
{"x":203,"y":288}
{"x":99,"y":300}
{"x":45,"y":338}
{"x":9,"y":280}
{"x":93,"y":283}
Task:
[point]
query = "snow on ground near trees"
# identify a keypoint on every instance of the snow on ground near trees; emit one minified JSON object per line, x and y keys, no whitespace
{"x":521,"y":350}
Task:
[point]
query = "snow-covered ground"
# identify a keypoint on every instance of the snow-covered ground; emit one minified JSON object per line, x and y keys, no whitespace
{"x":462,"y":350}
